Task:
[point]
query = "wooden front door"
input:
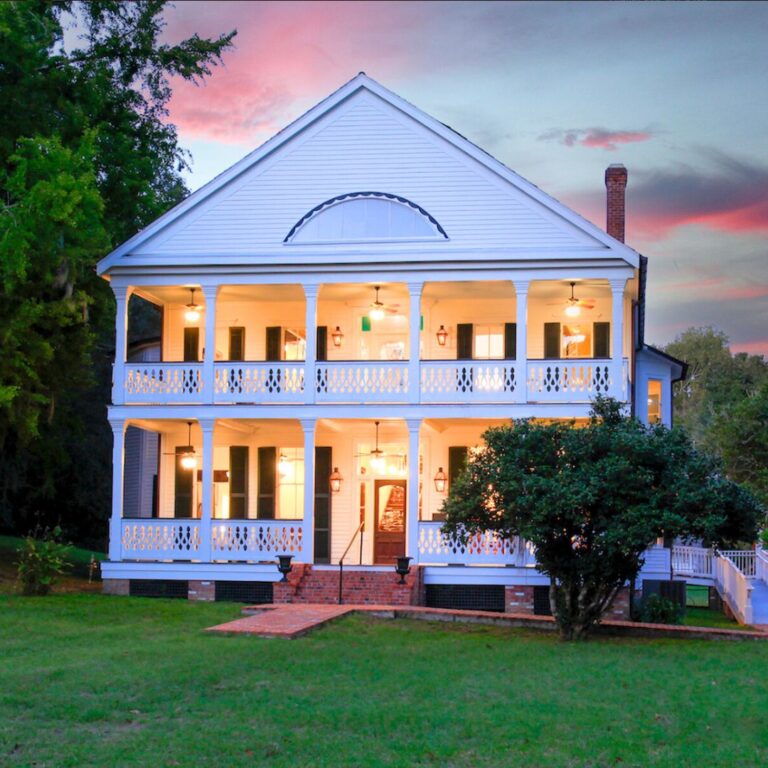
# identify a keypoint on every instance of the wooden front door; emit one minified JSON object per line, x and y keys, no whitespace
{"x":389,"y":521}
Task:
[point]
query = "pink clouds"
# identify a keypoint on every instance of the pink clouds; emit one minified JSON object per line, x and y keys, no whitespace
{"x":759,"y":347}
{"x":596,"y":138}
{"x":286,"y":56}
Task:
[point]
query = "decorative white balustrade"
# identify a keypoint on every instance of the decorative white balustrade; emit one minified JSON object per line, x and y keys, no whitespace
{"x":461,"y":381}
{"x":486,"y":548}
{"x":157,"y":539}
{"x":256,"y":539}
{"x":163,"y":382}
{"x":573,"y":381}
{"x":695,"y":562}
{"x":259,"y":382}
{"x":734,"y":586}
{"x":361,"y":382}
{"x":743,"y":559}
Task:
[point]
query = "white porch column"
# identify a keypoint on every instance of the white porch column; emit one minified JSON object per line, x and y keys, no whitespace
{"x":521,"y":318}
{"x":118,"y":470}
{"x":207,"y":428}
{"x":310,"y":356}
{"x":412,"y":523}
{"x":617,"y":336}
{"x":122,"y":294}
{"x":210,"y":293}
{"x":308,"y":538}
{"x":414,"y":342}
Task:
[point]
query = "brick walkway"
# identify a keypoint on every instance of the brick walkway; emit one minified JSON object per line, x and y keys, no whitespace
{"x":295,"y":619}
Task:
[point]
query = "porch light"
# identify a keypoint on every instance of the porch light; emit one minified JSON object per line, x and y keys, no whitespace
{"x":442,"y":336}
{"x":335,"y":480}
{"x":376,"y":312}
{"x":573,"y":309}
{"x":337,"y":337}
{"x":441,"y":480}
{"x":188,"y":458}
{"x":192,"y":314}
{"x":403,"y":568}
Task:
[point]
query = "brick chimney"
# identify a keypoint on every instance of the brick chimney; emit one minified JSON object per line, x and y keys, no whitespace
{"x":615,"y":184}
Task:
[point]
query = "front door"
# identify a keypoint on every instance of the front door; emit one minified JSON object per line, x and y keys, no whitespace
{"x":389,"y":522}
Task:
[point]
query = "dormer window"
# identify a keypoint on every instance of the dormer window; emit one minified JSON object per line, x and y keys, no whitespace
{"x":366,"y":217}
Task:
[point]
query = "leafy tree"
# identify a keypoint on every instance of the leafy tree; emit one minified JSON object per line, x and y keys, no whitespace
{"x":87,"y":158}
{"x":592,"y":499}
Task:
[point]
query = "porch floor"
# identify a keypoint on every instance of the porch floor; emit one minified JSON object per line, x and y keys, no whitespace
{"x":292,"y":620}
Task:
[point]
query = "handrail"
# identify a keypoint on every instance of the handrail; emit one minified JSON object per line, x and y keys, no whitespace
{"x":359,"y":530}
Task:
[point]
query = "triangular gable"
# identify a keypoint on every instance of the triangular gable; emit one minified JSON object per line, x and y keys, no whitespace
{"x":361,"y":134}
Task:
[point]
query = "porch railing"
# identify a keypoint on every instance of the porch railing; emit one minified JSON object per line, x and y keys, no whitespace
{"x":259,"y":382}
{"x":695,"y":562}
{"x":488,"y":548}
{"x":362,"y":382}
{"x":239,"y":540}
{"x":743,"y":559}
{"x":460,"y":381}
{"x":734,"y":585}
{"x":160,"y":539}
{"x":163,"y":382}
{"x":576,"y":380}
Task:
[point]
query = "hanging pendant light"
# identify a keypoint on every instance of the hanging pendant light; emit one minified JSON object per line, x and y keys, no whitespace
{"x":441,"y":480}
{"x":376,"y":312}
{"x":377,"y":455}
{"x":442,"y":336}
{"x":335,"y":480}
{"x":337,"y":337}
{"x":186,"y":453}
{"x":192,"y":313}
{"x":573,"y":309}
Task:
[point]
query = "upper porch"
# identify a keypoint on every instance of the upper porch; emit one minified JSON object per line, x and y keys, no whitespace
{"x":435,"y":343}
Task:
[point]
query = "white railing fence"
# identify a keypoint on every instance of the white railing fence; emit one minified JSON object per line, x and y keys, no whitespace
{"x":160,"y":539}
{"x":696,"y":562}
{"x":743,"y":559}
{"x":435,"y":547}
{"x":457,"y":381}
{"x":259,"y":382}
{"x":735,"y":587}
{"x":761,"y":565}
{"x":163,"y":382}
{"x":256,"y":539}
{"x":362,"y":382}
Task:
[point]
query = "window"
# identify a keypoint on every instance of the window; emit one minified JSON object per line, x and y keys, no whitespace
{"x":236,"y":343}
{"x":294,"y":344}
{"x":654,"y":401}
{"x":290,"y":483}
{"x":489,"y":342}
{"x":577,"y":341}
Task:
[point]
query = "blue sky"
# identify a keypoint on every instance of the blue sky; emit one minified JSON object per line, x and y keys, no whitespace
{"x":557,"y":91}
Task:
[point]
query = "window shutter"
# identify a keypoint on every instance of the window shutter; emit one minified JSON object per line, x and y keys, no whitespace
{"x":323,"y":498}
{"x":274,"y":337}
{"x":510,"y":341}
{"x":183,"y":483}
{"x":464,"y":341}
{"x":457,"y":460}
{"x":602,"y":339}
{"x":238,"y":481}
{"x":265,"y":507}
{"x":191,"y":345}
{"x":237,"y":343}
{"x":552,"y":341}
{"x":322,"y":343}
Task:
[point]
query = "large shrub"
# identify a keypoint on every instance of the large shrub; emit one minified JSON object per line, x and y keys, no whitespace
{"x":42,"y":560}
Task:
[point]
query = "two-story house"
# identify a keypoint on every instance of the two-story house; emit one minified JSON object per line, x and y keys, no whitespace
{"x":344,"y":312}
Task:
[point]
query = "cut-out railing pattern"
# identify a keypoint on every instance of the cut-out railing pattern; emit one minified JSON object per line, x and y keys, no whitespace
{"x":256,"y":539}
{"x":259,"y":382}
{"x":161,"y":539}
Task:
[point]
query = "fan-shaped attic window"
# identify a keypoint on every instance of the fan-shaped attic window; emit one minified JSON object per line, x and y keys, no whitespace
{"x":366,"y":216}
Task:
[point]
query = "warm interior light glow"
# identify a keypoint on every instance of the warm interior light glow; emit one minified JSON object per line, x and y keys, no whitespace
{"x":188,"y":461}
{"x":192,"y":315}
{"x":376,"y":313}
{"x":284,"y":466}
{"x":378,"y":463}
{"x":573,"y":310}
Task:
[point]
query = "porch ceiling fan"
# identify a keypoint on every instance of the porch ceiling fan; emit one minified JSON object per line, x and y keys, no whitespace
{"x":379,"y":309}
{"x":573,"y":304}
{"x":378,"y":456}
{"x":185,"y":453}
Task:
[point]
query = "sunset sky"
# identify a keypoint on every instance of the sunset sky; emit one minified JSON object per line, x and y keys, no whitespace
{"x":678,"y":92}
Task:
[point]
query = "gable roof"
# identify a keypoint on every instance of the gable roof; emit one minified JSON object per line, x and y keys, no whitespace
{"x":327,"y":105}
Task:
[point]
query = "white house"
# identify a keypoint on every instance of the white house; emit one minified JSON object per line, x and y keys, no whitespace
{"x":344,"y":312}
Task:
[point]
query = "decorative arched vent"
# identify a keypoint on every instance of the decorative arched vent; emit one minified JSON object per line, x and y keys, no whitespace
{"x":365,"y":216}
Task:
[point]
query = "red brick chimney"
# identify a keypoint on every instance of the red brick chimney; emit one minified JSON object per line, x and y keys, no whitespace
{"x":615,"y":184}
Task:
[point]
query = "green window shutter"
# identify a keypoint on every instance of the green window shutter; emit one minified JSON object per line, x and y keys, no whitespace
{"x":552,"y":341}
{"x":265,"y":503}
{"x":322,"y":343}
{"x":238,"y":481}
{"x":323,"y":499}
{"x":601,"y":333}
{"x":191,"y":345}
{"x":464,"y":341}
{"x":510,"y":341}
{"x":273,"y":342}
{"x":183,"y":484}
{"x":457,"y":460}
{"x":237,"y":343}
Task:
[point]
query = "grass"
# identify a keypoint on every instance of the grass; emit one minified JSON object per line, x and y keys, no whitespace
{"x":89,"y":680}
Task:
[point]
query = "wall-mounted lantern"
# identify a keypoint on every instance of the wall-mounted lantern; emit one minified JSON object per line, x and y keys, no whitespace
{"x":441,"y":481}
{"x":335,"y":480}
{"x":442,"y":336}
{"x":337,"y":336}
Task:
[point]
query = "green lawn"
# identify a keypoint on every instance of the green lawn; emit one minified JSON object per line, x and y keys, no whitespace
{"x":88,"y":680}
